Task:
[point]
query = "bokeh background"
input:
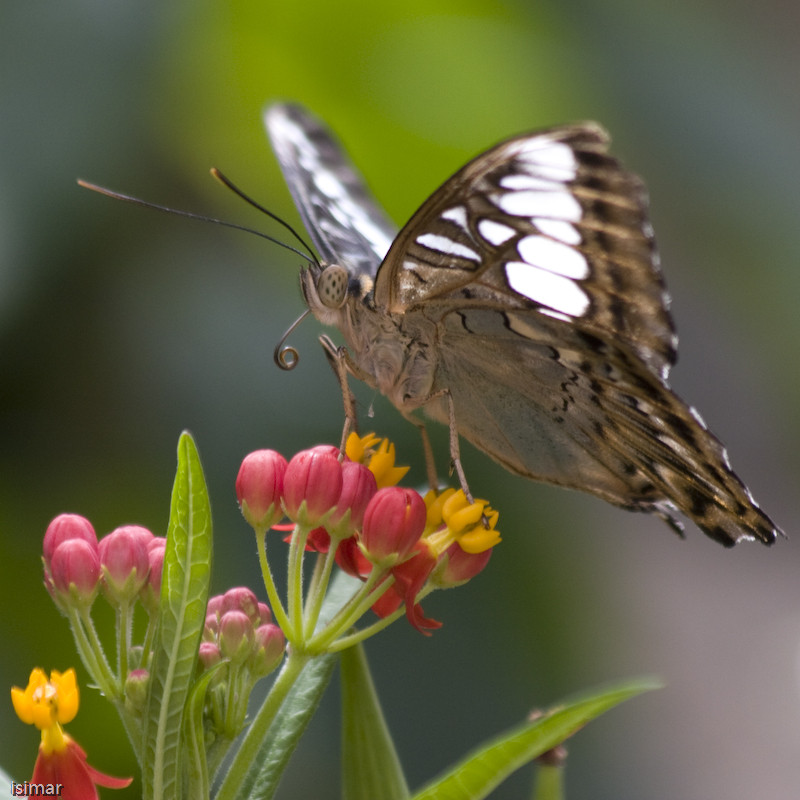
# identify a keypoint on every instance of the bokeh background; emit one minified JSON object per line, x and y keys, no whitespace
{"x":120,"y":327}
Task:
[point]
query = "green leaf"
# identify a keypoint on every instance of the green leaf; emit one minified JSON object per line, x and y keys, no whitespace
{"x":370,"y":766}
{"x":485,"y":768}
{"x":289,"y":725}
{"x":184,"y":595}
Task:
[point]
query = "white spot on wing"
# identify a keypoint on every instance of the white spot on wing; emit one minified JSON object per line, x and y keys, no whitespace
{"x":457,"y":214}
{"x":553,"y":256}
{"x":557,"y":204}
{"x":558,"y":229}
{"x":546,"y":288}
{"x":442,"y":244}
{"x":495,"y":232}
{"x":548,"y":158}
{"x":521,"y":181}
{"x":555,"y":314}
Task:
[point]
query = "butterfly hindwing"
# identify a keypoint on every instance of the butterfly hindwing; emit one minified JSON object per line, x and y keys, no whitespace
{"x":589,"y":417}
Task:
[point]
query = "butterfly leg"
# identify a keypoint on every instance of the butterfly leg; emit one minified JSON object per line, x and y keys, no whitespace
{"x":455,"y":449}
{"x":342,"y":365}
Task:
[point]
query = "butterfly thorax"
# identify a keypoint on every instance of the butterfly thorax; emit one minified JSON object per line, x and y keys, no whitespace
{"x":393,"y":353}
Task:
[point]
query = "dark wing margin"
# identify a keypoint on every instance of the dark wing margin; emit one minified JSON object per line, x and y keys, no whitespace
{"x":344,"y":221}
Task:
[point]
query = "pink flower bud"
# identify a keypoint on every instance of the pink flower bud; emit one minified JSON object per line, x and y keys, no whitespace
{"x":63,"y":528}
{"x":312,"y":485}
{"x":75,"y":572}
{"x":259,"y":486}
{"x":264,"y":614}
{"x":393,"y":523}
{"x":235,"y":636}
{"x":150,"y":594}
{"x":358,"y":488}
{"x":123,"y":557}
{"x":240,"y":598}
{"x":269,"y":645}
{"x":136,"y":685}
{"x":208,"y":655}
{"x":214,"y":605}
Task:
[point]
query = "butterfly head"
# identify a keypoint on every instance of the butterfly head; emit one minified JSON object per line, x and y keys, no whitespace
{"x":326,"y":289}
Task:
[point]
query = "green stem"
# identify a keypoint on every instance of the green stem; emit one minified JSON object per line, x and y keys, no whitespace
{"x":91,"y":651}
{"x":317,"y":589}
{"x":359,"y":636}
{"x":278,"y":611}
{"x":294,"y":600}
{"x":123,"y":640}
{"x":376,"y":584}
{"x":549,"y":783}
{"x":292,"y":668}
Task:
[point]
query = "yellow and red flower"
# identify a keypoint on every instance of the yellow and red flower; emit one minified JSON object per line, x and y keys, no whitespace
{"x":49,"y":704}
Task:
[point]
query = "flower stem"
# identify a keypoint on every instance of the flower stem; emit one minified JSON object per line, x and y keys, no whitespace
{"x":231,"y":785}
{"x":278,"y":610}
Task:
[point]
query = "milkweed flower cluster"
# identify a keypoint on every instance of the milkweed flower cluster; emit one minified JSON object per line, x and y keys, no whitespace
{"x":345,"y":509}
{"x":125,"y":567}
{"x":350,"y":511}
{"x":239,"y":635}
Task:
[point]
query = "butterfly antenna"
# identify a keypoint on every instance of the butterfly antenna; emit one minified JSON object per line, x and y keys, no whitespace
{"x":203,"y":218}
{"x":236,"y":190}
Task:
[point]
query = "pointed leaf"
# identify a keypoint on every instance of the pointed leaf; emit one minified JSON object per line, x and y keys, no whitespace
{"x":184,"y":595}
{"x":485,"y":768}
{"x":370,"y":765}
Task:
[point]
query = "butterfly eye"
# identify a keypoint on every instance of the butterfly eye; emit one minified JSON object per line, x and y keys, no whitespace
{"x":332,"y":286}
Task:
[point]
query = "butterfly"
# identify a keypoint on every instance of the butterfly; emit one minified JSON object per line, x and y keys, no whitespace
{"x":523,"y":306}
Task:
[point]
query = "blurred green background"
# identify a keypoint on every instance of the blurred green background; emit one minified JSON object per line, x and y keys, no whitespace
{"x":119,"y":327}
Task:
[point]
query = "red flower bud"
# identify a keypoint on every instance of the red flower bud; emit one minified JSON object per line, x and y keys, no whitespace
{"x":312,"y":485}
{"x":240,"y":598}
{"x":393,"y":523}
{"x":264,"y":614}
{"x":63,"y":528}
{"x":259,"y":486}
{"x":123,"y":557}
{"x":75,"y":572}
{"x":136,"y":685}
{"x":235,"y":636}
{"x":268,"y":647}
{"x":461,"y":566}
{"x":208,"y":655}
{"x":150,"y":594}
{"x":358,"y":488}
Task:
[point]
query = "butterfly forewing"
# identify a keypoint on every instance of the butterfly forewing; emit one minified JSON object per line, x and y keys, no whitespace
{"x":345,"y":223}
{"x":549,"y":222}
{"x":525,"y":295}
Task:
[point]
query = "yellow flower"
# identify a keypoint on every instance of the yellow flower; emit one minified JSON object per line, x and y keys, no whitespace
{"x":463,"y":522}
{"x":46,"y":703}
{"x":380,"y":460}
{"x":61,"y":763}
